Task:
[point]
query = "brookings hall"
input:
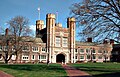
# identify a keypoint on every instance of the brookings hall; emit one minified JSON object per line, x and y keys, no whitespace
{"x":56,"y":44}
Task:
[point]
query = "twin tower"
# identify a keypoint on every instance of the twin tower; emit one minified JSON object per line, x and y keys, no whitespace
{"x":55,"y":36}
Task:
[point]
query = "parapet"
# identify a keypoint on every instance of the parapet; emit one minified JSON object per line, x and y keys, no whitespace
{"x":40,"y":22}
{"x":71,"y":19}
{"x":58,"y":24}
{"x":50,"y":15}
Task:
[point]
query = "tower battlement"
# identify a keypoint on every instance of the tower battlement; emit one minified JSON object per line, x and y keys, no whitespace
{"x":40,"y":22}
{"x":58,"y":24}
{"x":50,"y":15}
{"x":71,"y":19}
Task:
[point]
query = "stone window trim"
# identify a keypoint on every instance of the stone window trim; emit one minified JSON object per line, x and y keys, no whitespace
{"x":33,"y":57}
{"x":100,"y":57}
{"x":43,"y":49}
{"x":81,"y":51}
{"x":39,"y":57}
{"x":65,"y":42}
{"x":58,"y":41}
{"x":82,"y":57}
{"x":35,"y":48}
{"x":25,"y":48}
{"x":43,"y":57}
{"x":25,"y":57}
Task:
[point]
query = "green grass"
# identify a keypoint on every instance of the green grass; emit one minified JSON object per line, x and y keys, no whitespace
{"x":34,"y":70}
{"x":100,"y":69}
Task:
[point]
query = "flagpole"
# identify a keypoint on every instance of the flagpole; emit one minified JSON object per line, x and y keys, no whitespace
{"x":57,"y":16}
{"x":38,"y":13}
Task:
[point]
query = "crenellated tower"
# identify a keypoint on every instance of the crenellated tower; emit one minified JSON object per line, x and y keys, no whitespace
{"x":71,"y":25}
{"x":50,"y":25}
{"x":39,"y":26}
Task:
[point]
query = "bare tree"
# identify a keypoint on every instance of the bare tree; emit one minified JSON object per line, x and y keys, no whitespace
{"x":99,"y":19}
{"x":12,"y":42}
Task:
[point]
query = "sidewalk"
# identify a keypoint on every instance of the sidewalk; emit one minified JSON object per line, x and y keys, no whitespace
{"x":3,"y":74}
{"x":72,"y":72}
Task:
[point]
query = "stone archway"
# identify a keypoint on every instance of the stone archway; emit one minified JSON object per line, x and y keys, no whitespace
{"x":60,"y":58}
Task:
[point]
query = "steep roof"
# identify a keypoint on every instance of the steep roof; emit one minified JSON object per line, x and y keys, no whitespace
{"x":32,"y":39}
{"x":85,"y":43}
{"x":27,"y":39}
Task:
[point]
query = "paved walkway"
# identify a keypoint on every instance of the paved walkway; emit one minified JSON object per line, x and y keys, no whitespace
{"x":3,"y":74}
{"x":72,"y":72}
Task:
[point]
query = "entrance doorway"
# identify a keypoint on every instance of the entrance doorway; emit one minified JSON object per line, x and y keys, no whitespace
{"x":60,"y":58}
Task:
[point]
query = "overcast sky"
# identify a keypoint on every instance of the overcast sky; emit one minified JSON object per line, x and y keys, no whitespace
{"x":28,"y":9}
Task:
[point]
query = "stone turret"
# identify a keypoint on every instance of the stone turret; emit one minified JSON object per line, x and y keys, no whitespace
{"x":39,"y":26}
{"x":50,"y":24}
{"x":71,"y":25}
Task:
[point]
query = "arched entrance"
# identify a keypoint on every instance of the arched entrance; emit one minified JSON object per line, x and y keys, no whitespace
{"x":60,"y":58}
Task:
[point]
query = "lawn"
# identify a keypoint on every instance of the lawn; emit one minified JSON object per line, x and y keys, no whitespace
{"x":100,"y":69}
{"x":34,"y":70}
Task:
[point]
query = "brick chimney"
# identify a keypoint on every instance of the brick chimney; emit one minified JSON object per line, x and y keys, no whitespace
{"x":6,"y":31}
{"x":105,"y":41}
{"x":111,"y":41}
{"x":89,"y":39}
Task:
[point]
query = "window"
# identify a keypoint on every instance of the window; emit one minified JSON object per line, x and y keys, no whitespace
{"x":25,"y":57}
{"x":87,"y":51}
{"x":100,"y":57}
{"x":81,"y":56}
{"x":105,"y":51}
{"x":33,"y":57}
{"x":107,"y":57}
{"x":43,"y":49}
{"x":57,"y":40}
{"x":25,"y":48}
{"x":88,"y":56}
{"x":93,"y":56}
{"x":43,"y":56}
{"x":65,"y":44}
{"x":35,"y":49}
{"x":0,"y":56}
{"x":13,"y":57}
{"x":81,"y":50}
{"x":76,"y":57}
{"x":76,"y":50}
{"x":99,"y":51}
{"x":38,"y":57}
{"x":93,"y":51}
{"x":0,"y":48}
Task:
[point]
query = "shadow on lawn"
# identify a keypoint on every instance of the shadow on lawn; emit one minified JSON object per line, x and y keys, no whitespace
{"x":117,"y":74}
{"x":101,"y":75}
{"x":33,"y":67}
{"x":105,"y":72}
{"x":75,"y":76}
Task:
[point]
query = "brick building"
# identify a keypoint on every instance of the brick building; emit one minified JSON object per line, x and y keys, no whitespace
{"x":57,"y":44}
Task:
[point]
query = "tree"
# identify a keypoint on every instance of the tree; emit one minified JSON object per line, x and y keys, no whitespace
{"x":13,"y":41}
{"x":98,"y":19}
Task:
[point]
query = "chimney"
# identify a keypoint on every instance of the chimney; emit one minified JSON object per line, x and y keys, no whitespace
{"x":89,"y":39}
{"x":111,"y":41}
{"x":105,"y":41}
{"x":6,"y":32}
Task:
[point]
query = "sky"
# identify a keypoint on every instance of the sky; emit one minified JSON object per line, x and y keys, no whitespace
{"x":28,"y":8}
